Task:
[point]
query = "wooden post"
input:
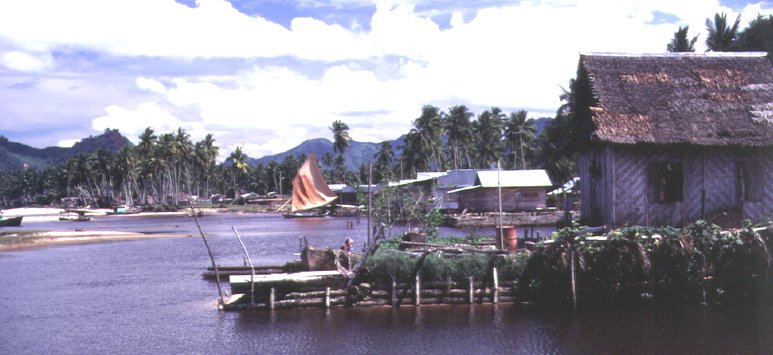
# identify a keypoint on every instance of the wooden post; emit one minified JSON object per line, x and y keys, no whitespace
{"x":472,"y":290}
{"x":393,"y":294}
{"x":252,"y":268}
{"x":418,"y":290}
{"x":370,"y":207}
{"x":574,"y":276}
{"x":495,"y":291}
{"x":211,"y":256}
{"x":327,"y":297}
{"x":271,"y":298}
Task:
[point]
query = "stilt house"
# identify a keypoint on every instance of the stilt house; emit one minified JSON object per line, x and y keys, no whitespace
{"x":666,"y":139}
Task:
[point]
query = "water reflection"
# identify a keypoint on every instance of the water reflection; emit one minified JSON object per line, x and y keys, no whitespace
{"x":147,"y":296}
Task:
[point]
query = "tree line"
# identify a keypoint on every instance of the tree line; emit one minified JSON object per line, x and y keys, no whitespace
{"x":165,"y":167}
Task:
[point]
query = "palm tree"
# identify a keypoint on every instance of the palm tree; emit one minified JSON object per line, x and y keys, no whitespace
{"x":519,"y":133}
{"x":205,"y":153}
{"x":722,"y":38}
{"x":340,"y":137}
{"x":384,"y":158}
{"x":488,"y":137}
{"x":429,"y":128}
{"x":758,"y":36}
{"x":411,"y":160}
{"x":458,"y":128}
{"x":680,"y":43}
{"x":239,"y":167}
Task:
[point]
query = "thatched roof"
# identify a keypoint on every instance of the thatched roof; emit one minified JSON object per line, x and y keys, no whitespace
{"x":713,"y":99}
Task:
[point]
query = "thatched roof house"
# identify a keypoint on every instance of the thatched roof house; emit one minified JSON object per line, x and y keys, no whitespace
{"x":669,"y":138}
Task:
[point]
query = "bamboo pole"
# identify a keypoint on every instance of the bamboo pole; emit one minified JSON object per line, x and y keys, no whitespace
{"x":393,"y":294}
{"x":471,"y":291}
{"x":252,"y":268}
{"x":574,"y":277}
{"x":370,"y":207}
{"x":418,"y":290}
{"x":211,"y":257}
{"x":495,"y":291}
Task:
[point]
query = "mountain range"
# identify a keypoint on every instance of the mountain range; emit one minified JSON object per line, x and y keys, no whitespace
{"x":357,"y":154}
{"x":15,"y":156}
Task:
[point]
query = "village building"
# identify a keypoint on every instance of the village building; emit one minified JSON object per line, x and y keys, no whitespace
{"x":478,"y":190}
{"x":666,"y":139}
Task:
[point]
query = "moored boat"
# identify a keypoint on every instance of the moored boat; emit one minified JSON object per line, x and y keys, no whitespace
{"x":10,"y":221}
{"x":73,"y":216}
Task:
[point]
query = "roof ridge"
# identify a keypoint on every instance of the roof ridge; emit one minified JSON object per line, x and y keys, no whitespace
{"x":676,"y":54}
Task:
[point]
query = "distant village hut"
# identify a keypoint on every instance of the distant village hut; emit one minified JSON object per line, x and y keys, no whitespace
{"x":669,"y":138}
{"x":522,"y":190}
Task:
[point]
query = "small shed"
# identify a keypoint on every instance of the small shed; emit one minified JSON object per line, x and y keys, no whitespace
{"x":522,"y":190}
{"x":665,"y":139}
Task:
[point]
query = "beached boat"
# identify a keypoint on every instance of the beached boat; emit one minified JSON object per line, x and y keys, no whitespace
{"x":73,"y":216}
{"x":124,"y":210}
{"x":10,"y":221}
{"x":310,"y":191}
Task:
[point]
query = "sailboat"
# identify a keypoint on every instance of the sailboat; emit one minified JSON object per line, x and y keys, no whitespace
{"x":310,"y":191}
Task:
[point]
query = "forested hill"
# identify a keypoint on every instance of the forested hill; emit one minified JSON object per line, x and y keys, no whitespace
{"x":357,"y":154}
{"x":14,"y":155}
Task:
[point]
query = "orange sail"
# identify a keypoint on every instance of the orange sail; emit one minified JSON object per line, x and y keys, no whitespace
{"x":310,"y":189}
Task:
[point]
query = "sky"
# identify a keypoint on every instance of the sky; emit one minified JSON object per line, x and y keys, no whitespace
{"x":267,"y":75}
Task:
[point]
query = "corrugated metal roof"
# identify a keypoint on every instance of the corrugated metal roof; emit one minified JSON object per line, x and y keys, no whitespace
{"x":463,"y":189}
{"x":458,"y":178}
{"x":514,"y":178}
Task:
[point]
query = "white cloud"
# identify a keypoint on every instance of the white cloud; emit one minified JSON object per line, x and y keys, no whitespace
{"x":513,"y":56}
{"x":25,"y":62}
{"x":67,"y":143}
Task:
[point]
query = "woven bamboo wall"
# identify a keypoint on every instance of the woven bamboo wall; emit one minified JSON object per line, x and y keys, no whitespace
{"x":630,"y":187}
{"x":618,"y":193}
{"x":760,"y":210}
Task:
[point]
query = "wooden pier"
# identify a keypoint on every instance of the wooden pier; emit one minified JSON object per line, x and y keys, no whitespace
{"x":325,"y":289}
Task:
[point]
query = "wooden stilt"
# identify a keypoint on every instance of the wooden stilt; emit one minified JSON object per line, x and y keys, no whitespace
{"x":418,"y":290}
{"x":393,"y":294}
{"x":327,"y":297}
{"x":471,"y":290}
{"x":271,"y":298}
{"x":495,"y":291}
{"x":574,"y":277}
{"x":252,"y":268}
{"x":211,"y":257}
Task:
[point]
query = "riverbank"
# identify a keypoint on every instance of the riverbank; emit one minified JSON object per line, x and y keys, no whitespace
{"x":28,"y":239}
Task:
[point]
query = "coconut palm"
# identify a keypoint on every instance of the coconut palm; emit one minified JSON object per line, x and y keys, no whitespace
{"x":519,"y":133}
{"x":680,"y":43}
{"x":458,"y":129}
{"x":758,"y":36}
{"x":239,"y":167}
{"x":384,"y":158}
{"x":721,"y":37}
{"x":205,"y":153}
{"x":429,"y":128}
{"x":412,"y":159}
{"x":488,"y":137}
{"x":340,"y":137}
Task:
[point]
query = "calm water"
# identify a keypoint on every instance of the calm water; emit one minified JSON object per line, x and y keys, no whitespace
{"x":147,"y":296}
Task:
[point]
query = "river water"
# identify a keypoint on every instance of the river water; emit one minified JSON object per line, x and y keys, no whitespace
{"x":147,"y":296}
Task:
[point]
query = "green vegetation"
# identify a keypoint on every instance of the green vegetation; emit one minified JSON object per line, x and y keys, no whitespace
{"x":698,"y":263}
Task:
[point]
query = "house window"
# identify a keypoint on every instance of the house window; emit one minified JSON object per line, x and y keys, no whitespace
{"x":665,"y":180}
{"x":749,"y":181}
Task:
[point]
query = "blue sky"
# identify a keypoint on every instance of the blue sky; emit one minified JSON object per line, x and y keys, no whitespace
{"x":269,"y":74}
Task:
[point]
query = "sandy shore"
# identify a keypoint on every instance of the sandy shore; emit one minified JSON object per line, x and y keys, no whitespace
{"x":16,"y":240}
{"x":23,"y":239}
